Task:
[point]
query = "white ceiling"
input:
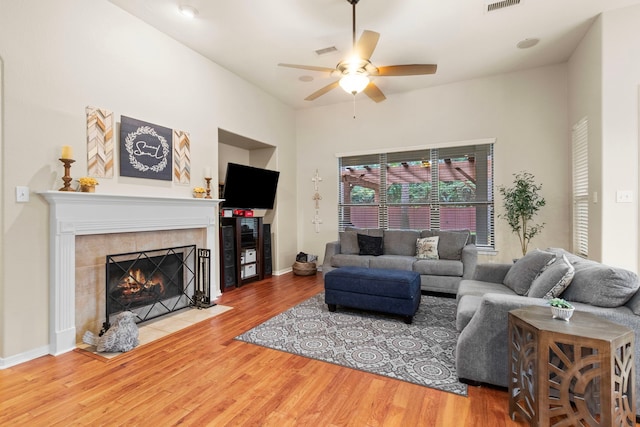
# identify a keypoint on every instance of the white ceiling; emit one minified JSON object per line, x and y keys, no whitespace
{"x":250,"y":37}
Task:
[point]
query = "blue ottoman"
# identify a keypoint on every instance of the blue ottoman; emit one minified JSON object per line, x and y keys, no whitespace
{"x":387,"y":291}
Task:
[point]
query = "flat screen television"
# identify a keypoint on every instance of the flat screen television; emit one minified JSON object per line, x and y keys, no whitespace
{"x":248,"y":187}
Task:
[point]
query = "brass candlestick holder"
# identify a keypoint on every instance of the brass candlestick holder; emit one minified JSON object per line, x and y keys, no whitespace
{"x":67,"y":176}
{"x":208,"y":196}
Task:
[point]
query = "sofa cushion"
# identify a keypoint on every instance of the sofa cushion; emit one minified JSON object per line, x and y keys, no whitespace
{"x":427,"y":247}
{"x":440,"y":267}
{"x":526,"y":269}
{"x":400,"y":242}
{"x":349,"y":243}
{"x":553,"y":280}
{"x":392,"y":262}
{"x":479,"y":288}
{"x":350,"y":260}
{"x":602,"y":286}
{"x":369,"y":245}
{"x":451,"y":242}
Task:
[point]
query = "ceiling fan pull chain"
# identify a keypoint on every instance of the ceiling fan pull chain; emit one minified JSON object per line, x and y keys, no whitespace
{"x":354,"y":106}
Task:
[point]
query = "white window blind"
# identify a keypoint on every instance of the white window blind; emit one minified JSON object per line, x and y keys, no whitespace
{"x":580,"y":160}
{"x":438,"y":189}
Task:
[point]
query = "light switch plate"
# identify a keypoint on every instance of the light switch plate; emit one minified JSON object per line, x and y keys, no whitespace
{"x":623,"y":196}
{"x":22,"y":194}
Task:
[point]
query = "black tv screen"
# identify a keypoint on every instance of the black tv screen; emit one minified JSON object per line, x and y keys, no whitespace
{"x":247,"y":187}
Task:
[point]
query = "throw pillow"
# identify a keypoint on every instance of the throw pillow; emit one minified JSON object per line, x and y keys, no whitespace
{"x":427,"y":248}
{"x":370,"y":245}
{"x":602,"y":286}
{"x":349,"y":243}
{"x":553,"y":280}
{"x":526,"y":269}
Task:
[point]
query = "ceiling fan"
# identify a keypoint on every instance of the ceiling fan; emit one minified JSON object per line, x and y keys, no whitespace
{"x":354,"y":73}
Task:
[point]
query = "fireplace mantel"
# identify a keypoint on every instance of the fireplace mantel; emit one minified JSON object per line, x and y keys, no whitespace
{"x":74,"y":213}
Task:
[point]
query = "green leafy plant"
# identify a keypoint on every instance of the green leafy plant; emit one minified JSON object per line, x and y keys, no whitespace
{"x":560,"y":303}
{"x":521,"y":203}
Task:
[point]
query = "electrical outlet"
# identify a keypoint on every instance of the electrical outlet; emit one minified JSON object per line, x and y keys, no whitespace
{"x":22,"y":194}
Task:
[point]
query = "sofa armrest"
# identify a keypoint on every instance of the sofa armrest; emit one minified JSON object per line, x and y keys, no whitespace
{"x":494,"y":273}
{"x":482,"y":351}
{"x":469,"y":261}
{"x":330,"y":250}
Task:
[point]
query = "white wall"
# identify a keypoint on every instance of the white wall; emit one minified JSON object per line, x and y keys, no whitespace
{"x":230,"y":154}
{"x":525,"y":111}
{"x":60,"y":57}
{"x":620,"y":82}
{"x":604,"y":80}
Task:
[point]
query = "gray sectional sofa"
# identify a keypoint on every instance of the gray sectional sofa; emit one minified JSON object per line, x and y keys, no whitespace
{"x":485,"y":301}
{"x":396,"y":250}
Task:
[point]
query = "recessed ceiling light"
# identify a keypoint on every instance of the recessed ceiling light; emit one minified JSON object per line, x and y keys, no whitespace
{"x":527,"y":43}
{"x":188,"y":11}
{"x":305,"y":78}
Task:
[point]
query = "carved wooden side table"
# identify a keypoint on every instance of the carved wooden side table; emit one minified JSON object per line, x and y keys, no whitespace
{"x":575,"y":373}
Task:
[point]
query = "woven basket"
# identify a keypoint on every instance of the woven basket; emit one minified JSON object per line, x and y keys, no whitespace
{"x":304,"y":268}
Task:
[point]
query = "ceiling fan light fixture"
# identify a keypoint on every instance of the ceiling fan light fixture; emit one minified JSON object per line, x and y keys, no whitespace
{"x":354,"y":83}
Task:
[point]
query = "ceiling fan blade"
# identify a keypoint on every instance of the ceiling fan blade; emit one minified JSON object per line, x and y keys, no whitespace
{"x":374,"y":92}
{"x":322,"y":91}
{"x":308,"y":67}
{"x":407,"y":70}
{"x":367,"y":44}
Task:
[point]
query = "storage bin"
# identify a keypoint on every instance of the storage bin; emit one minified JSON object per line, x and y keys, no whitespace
{"x":304,"y":268}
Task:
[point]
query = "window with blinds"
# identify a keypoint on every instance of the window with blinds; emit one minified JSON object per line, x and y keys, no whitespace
{"x":437,"y":189}
{"x":580,"y":160}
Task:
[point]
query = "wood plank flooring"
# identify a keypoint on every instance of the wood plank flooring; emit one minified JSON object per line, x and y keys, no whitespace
{"x":202,"y":376}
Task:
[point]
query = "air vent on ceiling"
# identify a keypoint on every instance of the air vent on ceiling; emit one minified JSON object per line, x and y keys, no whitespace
{"x":326,"y":50}
{"x":496,"y":5}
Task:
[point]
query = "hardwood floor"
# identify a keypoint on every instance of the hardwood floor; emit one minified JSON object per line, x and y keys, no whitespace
{"x":202,"y":376}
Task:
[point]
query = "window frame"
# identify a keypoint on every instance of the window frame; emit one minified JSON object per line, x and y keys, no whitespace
{"x":379,"y":213}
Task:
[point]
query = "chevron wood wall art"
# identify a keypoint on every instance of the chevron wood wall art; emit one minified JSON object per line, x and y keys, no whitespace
{"x":99,"y":142}
{"x":181,"y":157}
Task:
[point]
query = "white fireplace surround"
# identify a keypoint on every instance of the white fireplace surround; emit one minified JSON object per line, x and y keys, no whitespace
{"x":72,"y":214}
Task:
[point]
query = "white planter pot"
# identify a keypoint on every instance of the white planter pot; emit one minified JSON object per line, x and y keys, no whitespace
{"x":562,"y":313}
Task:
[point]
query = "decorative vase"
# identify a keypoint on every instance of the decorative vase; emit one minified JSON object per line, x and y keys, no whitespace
{"x":88,"y":188}
{"x":198,"y":195}
{"x":562,"y":313}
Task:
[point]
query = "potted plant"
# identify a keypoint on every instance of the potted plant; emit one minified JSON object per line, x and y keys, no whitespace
{"x":521,"y":203}
{"x":88,"y":184}
{"x":561,"y":309}
{"x":198,"y":192}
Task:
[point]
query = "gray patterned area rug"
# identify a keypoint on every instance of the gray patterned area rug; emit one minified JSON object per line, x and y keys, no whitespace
{"x":422,"y":353}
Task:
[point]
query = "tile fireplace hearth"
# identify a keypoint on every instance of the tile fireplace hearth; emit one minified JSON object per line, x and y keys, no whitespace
{"x":79,"y":214}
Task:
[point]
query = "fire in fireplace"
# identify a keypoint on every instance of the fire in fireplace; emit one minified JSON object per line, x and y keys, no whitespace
{"x":150,"y":283}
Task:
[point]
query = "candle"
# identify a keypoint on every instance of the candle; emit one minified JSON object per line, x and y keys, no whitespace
{"x":207,"y":172}
{"x":67,"y":152}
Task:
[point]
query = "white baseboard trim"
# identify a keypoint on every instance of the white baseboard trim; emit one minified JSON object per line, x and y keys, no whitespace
{"x":284,"y":271}
{"x":23,"y":357}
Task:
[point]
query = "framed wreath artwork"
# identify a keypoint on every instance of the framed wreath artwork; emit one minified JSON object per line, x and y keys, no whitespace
{"x":145,"y":150}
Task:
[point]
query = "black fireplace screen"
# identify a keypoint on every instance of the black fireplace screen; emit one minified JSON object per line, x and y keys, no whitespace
{"x":150,"y":283}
